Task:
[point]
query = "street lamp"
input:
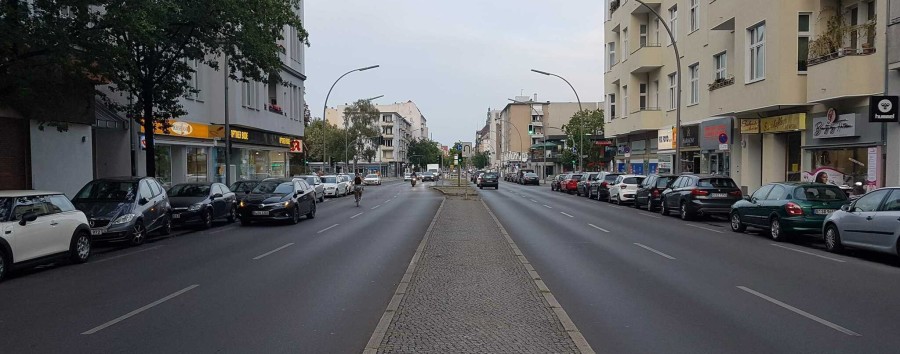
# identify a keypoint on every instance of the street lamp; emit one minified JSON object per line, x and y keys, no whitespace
{"x":325,"y":109}
{"x":580,"y":158}
{"x":347,"y":136}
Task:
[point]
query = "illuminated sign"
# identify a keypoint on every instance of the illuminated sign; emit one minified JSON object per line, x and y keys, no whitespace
{"x":240,"y":134}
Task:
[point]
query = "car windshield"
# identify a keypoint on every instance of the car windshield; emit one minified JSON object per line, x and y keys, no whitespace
{"x":490,"y":175}
{"x":310,"y":180}
{"x":663,"y":182}
{"x":716,"y":183}
{"x":530,"y":175}
{"x":113,"y":191}
{"x":610,"y":178}
{"x":5,"y":207}
{"x":371,"y":176}
{"x":273,"y":187}
{"x":633,"y":180}
{"x":576,"y":177}
{"x":331,"y":179}
{"x":189,"y":190}
{"x":243,"y":186}
{"x":823,"y":193}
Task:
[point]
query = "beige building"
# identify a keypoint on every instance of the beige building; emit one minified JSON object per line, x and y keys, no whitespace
{"x":395,"y":129}
{"x":759,"y":81}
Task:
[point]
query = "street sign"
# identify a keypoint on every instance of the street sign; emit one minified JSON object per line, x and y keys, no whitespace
{"x":883,"y":109}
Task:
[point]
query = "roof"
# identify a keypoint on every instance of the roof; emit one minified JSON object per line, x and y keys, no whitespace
{"x":24,"y":193}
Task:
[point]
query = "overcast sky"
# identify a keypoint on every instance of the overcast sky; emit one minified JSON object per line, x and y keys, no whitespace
{"x":454,"y":59}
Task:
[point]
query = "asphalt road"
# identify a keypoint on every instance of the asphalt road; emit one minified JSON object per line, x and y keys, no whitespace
{"x":320,"y":286}
{"x":637,"y":282}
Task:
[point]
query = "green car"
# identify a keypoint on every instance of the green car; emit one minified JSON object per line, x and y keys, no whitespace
{"x":787,"y":208}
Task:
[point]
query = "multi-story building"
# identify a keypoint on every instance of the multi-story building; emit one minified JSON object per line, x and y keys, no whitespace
{"x":893,"y":82}
{"x":396,"y":132}
{"x":769,"y":91}
{"x":411,"y":112}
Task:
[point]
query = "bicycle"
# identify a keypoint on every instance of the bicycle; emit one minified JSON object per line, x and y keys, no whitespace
{"x":357,"y":194}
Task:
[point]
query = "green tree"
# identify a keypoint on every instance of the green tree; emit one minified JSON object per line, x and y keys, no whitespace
{"x":481,"y":160}
{"x":360,"y":120}
{"x":334,"y":137}
{"x":585,"y":122}
{"x":421,"y":152}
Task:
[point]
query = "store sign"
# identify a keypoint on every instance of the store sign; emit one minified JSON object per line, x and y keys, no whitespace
{"x":182,"y":129}
{"x":714,"y":133}
{"x":749,"y":126}
{"x":252,"y":136}
{"x":689,"y":136}
{"x":883,"y":109}
{"x":296,"y":146}
{"x":240,"y":134}
{"x":665,"y":139}
{"x":834,"y":126}
{"x":785,"y":123}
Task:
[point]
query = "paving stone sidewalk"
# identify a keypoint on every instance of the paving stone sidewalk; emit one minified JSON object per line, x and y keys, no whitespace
{"x":471,"y":294}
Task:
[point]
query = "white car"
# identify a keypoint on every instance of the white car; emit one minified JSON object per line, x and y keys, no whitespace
{"x":318,"y":186}
{"x":36,"y":226}
{"x":372,"y":179}
{"x":346,"y":184}
{"x":624,"y":188}
{"x":334,"y":186}
{"x":407,"y":177}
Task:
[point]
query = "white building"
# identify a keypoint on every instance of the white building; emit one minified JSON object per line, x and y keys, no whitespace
{"x":395,"y":129}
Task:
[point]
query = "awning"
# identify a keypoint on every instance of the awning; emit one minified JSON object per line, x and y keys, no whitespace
{"x":104,"y":117}
{"x":547,"y":145}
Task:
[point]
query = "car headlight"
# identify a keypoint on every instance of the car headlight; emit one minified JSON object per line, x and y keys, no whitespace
{"x":287,"y":204}
{"x":124,"y":219}
{"x":195,"y":207}
{"x":241,"y":204}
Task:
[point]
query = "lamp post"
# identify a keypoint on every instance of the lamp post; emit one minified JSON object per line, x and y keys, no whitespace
{"x":580,"y":158}
{"x":325,"y":109}
{"x":347,"y":136}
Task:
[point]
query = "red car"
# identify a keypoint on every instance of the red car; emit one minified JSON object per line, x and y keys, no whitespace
{"x":570,"y":183}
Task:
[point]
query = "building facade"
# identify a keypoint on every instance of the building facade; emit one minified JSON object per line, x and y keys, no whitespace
{"x":893,"y":88}
{"x":768,"y":93}
{"x":396,"y":132}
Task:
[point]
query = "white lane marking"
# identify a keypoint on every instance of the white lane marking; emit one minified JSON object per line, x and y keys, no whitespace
{"x":376,"y":207}
{"x":354,"y":216}
{"x":652,"y":215}
{"x":598,"y":227}
{"x":705,"y":228}
{"x":327,"y":228}
{"x":571,"y":216}
{"x":142,"y":309}
{"x":809,"y":253}
{"x":801,"y":312}
{"x":547,"y":206}
{"x":273,"y":251}
{"x":653,"y":250}
{"x":126,"y":254}
{"x":534,"y":200}
{"x":222,"y":230}
{"x":388,"y":201}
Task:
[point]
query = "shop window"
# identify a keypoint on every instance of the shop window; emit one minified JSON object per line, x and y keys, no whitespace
{"x":197,"y":164}
{"x":839,"y":166}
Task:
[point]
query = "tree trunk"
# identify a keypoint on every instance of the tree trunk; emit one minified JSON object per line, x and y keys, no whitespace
{"x":148,"y":131}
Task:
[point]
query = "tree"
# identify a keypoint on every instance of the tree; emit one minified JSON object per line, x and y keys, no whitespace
{"x":481,"y":160}
{"x":421,"y":152}
{"x":145,"y":49}
{"x":593,"y":125}
{"x":360,"y":120}
{"x":333,"y":135}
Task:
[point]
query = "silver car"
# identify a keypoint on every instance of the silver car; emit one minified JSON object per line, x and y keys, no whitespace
{"x":872,"y":222}
{"x":317,"y":185}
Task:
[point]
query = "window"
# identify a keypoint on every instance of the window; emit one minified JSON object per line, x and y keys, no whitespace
{"x":716,"y":183}
{"x":803,"y":34}
{"x":656,"y":27}
{"x":296,"y":45}
{"x":870,"y":202}
{"x":144,"y":191}
{"x":197,"y":162}
{"x":673,"y":22}
{"x":155,"y":187}
{"x":695,"y":83}
{"x":625,"y":101}
{"x":643,"y":91}
{"x":761,"y":193}
{"x":611,"y":55}
{"x":33,"y":204}
{"x":612,"y":106}
{"x":721,"y":61}
{"x":673,"y":82}
{"x":643,"y":40}
{"x":654,"y":100}
{"x":776,"y":194}
{"x":854,"y":22}
{"x":870,"y":17}
{"x":250,"y":95}
{"x":892,"y":203}
{"x":663,"y":182}
{"x":625,"y":46}
{"x":695,"y":15}
{"x":820,"y":193}
{"x":196,"y":77}
{"x":757,"y":52}
{"x":60,"y":203}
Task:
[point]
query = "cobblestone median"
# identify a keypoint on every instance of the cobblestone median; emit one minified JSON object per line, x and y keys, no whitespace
{"x":471,"y":294}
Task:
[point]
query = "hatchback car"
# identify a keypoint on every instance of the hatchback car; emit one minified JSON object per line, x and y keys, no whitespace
{"x":570,"y":184}
{"x":316,"y":183}
{"x":334,"y":186}
{"x":624,"y":188}
{"x":372,"y":179}
{"x":489,"y":179}
{"x":584,"y":185}
{"x":870,"y":223}
{"x":554,"y":183}
{"x":279,"y":200}
{"x":37,"y":226}
{"x":125,"y":209}
{"x":202,"y":203}
{"x":787,"y":208}
{"x":600,"y":187}
{"x":650,"y":190}
{"x":531,"y":178}
{"x":693,"y":194}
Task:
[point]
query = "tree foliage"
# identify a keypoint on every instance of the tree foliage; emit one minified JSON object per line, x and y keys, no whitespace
{"x":334,"y":137}
{"x":361,"y":122}
{"x":583,"y":123}
{"x":422,"y":152}
{"x":481,"y":160}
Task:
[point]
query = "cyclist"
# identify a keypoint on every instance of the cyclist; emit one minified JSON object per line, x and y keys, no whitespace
{"x":357,"y":188}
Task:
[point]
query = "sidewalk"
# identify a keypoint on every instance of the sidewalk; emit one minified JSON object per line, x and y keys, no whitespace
{"x":469,"y":290}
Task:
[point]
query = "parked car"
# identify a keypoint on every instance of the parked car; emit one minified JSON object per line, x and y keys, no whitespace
{"x":531,"y":178}
{"x":202,"y":203}
{"x":870,"y":223}
{"x":473,"y":177}
{"x":584,"y":185}
{"x":334,"y":186}
{"x":489,"y":179}
{"x":428,"y":176}
{"x":372,"y":179}
{"x":787,"y":208}
{"x":407,"y":177}
{"x":39,"y":226}
{"x":318,"y":186}
{"x":555,"y":182}
{"x":243,"y":187}
{"x":622,"y":190}
{"x":125,"y":209}
{"x":478,"y":176}
{"x":695,"y":194}
{"x":650,"y":190}
{"x":600,"y":187}
{"x":570,"y":184}
{"x":279,"y":200}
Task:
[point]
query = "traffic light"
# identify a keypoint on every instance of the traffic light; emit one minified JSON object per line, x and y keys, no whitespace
{"x":530,"y":129}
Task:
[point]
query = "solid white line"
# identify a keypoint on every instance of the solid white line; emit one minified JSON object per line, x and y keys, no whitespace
{"x":547,"y":206}
{"x":376,"y":207}
{"x":126,"y":254}
{"x":327,"y":228}
{"x":534,"y":200}
{"x":571,"y":216}
{"x":800,"y":312}
{"x":221,"y":230}
{"x":809,"y":253}
{"x":654,"y":251}
{"x":142,"y":309}
{"x":272,"y":251}
{"x":652,"y":216}
{"x":705,"y":228}
{"x":356,"y":215}
{"x":598,"y":227}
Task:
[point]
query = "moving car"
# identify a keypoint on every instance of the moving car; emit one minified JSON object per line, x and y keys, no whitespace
{"x":318,"y":186}
{"x":489,"y":179}
{"x":531,"y":178}
{"x":243,"y":187}
{"x":202,"y":203}
{"x":125,"y":208}
{"x":334,"y":186}
{"x":372,"y":179}
{"x":694,"y":194}
{"x":555,"y":182}
{"x":622,"y":190}
{"x":600,"y":188}
{"x":407,"y":177}
{"x":428,"y":176}
{"x":584,"y":185}
{"x":787,"y":208}
{"x":38,"y":226}
{"x":650,"y":190}
{"x":278,"y":199}
{"x":870,"y":223}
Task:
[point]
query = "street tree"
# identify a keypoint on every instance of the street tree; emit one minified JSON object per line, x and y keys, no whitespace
{"x":361,"y":122}
{"x":334,"y":137}
{"x":481,"y":160}
{"x":584,"y":123}
{"x":421,"y":152}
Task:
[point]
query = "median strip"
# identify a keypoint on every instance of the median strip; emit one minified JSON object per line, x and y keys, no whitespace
{"x":272,"y":251}
{"x":801,"y":312}
{"x":142,"y":309}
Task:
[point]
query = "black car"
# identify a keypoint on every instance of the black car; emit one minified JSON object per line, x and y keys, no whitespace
{"x":600,"y":187}
{"x":428,"y":176}
{"x":201,"y":203}
{"x":650,"y":191}
{"x":243,"y":187}
{"x":125,"y":208}
{"x":489,"y":179}
{"x":278,"y":199}
{"x":531,"y":178}
{"x":584,"y":186}
{"x":693,"y":194}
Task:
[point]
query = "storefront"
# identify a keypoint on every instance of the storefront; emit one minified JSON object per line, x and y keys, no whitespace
{"x":689,"y":138}
{"x":843,"y":148}
{"x":715,"y":142}
{"x":775,"y":142}
{"x":182,"y":152}
{"x":255,"y":154}
{"x":637,"y":154}
{"x":665,"y":150}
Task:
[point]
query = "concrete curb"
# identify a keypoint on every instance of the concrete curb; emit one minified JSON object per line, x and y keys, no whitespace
{"x":388,"y":316}
{"x":580,"y":342}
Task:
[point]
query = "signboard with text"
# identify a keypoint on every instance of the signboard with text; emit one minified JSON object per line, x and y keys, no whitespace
{"x":883,"y":109}
{"x":715,"y":132}
{"x":834,"y":126}
{"x":785,"y":123}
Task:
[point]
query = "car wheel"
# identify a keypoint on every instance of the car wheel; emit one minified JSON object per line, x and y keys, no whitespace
{"x":295,"y":215}
{"x":138,"y":234}
{"x":232,"y":215}
{"x":685,"y":213}
{"x":663,"y":208}
{"x":207,"y":219}
{"x":4,"y":265}
{"x":649,"y":204}
{"x":167,"y":227}
{"x":618,"y":199}
{"x":775,"y":230}
{"x":736,"y":224}
{"x":80,"y":250}
{"x":635,"y":204}
{"x":312,"y":212}
{"x":833,"y":239}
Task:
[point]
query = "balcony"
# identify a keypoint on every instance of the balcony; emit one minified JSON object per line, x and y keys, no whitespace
{"x":640,"y":9}
{"x":849,"y":73}
{"x":649,"y":119}
{"x":537,"y":123}
{"x":646,"y":59}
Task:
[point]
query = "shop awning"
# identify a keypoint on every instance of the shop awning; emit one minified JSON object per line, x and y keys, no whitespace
{"x":104,"y":117}
{"x":547,"y":145}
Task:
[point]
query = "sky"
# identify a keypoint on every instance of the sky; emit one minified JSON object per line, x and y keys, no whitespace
{"x":454,"y":59}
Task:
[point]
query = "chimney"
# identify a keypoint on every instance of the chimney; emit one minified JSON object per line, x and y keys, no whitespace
{"x":535,"y":96}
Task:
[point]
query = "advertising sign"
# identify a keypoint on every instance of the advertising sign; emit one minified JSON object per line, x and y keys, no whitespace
{"x":689,"y":136}
{"x":749,"y":126}
{"x":883,"y":109}
{"x":665,"y":140}
{"x":715,"y":132}
{"x":785,"y":123}
{"x":296,"y":146}
{"x":834,"y":126}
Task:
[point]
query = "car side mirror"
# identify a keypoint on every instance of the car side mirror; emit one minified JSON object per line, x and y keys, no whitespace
{"x":143,"y":201}
{"x":747,"y":198}
{"x":845,"y":207}
{"x":28,"y":217}
{"x":217,"y":195}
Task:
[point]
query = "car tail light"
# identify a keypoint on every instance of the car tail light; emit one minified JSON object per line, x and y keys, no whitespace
{"x":699,"y":192}
{"x":655,"y":192}
{"x":793,"y":209}
{"x":604,"y":185}
{"x":735,"y":194}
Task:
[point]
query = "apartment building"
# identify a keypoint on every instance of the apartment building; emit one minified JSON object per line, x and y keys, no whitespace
{"x":396,"y":132}
{"x":893,"y":45}
{"x":770,"y":90}
{"x":411,"y":112}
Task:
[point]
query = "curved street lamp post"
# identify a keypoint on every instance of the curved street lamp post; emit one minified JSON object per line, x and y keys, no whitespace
{"x":580,"y":156}
{"x":325,"y":110}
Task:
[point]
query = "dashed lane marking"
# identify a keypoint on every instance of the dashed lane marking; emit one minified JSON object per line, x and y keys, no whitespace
{"x":801,"y":312}
{"x":598,"y":227}
{"x":705,"y":228}
{"x":571,"y":216}
{"x":327,"y":228}
{"x":653,"y":250}
{"x":273,"y":251}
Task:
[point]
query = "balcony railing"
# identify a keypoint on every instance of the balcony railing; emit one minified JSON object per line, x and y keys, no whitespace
{"x":721,"y":82}
{"x":613,"y":6}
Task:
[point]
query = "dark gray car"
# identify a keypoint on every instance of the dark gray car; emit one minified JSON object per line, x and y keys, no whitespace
{"x":125,"y":209}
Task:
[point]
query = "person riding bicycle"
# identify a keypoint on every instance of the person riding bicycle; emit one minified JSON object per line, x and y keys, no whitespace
{"x":357,"y":185}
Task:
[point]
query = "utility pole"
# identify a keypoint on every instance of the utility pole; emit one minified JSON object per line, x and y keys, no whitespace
{"x":228,"y":175}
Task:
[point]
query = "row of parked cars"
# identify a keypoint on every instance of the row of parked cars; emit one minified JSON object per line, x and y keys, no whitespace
{"x":783,"y":209}
{"x":36,"y":226}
